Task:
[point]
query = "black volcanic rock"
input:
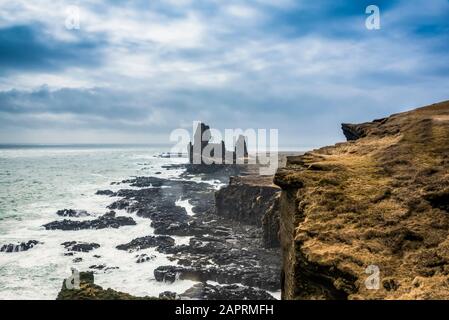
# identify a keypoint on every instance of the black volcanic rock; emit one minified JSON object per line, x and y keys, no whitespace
{"x":168,"y":295}
{"x":102,"y":267}
{"x":119,"y":204}
{"x":72,"y":213}
{"x":105,"y":192}
{"x":141,"y":258}
{"x":90,"y":291}
{"x":253,"y":277}
{"x":220,"y":249}
{"x":80,"y":246}
{"x":204,"y":291}
{"x":23,"y":246}
{"x":108,"y":220}
{"x":147,"y":242}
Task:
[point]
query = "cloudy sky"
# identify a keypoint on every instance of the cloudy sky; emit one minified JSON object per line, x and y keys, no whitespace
{"x":135,"y":70}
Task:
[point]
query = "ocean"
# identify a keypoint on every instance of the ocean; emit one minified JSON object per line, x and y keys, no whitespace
{"x":36,"y":181}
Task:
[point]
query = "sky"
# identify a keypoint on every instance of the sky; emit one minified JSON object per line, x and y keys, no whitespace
{"x":133,"y":71}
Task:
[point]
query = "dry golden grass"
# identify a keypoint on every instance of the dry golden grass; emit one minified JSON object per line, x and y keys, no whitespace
{"x":379,"y":200}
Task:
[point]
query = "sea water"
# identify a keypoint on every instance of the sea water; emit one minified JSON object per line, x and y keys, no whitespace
{"x":36,"y":181}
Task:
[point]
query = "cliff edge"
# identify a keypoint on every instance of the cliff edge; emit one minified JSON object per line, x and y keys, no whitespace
{"x":254,"y":200}
{"x":369,"y":218}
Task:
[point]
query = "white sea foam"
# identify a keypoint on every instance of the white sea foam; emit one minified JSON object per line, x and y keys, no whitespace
{"x":37,"y":183}
{"x":186,"y":205}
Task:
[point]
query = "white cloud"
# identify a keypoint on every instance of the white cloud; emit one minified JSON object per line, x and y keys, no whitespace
{"x":224,"y":62}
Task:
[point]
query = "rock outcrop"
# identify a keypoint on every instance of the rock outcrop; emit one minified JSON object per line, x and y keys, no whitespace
{"x":88,"y":290}
{"x":108,"y":220}
{"x":253,"y":200}
{"x":205,"y":291}
{"x":23,"y":246}
{"x":72,"y":213}
{"x":369,"y":219}
{"x":224,"y":274}
{"x":147,"y":242}
{"x":75,"y":246}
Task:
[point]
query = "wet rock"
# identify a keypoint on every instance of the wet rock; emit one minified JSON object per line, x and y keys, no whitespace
{"x":76,"y":260}
{"x":255,"y":277}
{"x":23,"y":246}
{"x":199,"y":245}
{"x":90,"y":291}
{"x":119,"y":204}
{"x":168,"y":295}
{"x":102,"y":267}
{"x":204,"y":291}
{"x":98,"y":267}
{"x":105,"y":192}
{"x":220,"y":249}
{"x":217,"y":172}
{"x":141,"y":258}
{"x":72,"y":213}
{"x":147,"y":242}
{"x":108,"y":220}
{"x":168,"y":273}
{"x":75,"y":246}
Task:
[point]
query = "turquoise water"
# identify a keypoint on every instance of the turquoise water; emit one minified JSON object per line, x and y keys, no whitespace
{"x":35,"y":182}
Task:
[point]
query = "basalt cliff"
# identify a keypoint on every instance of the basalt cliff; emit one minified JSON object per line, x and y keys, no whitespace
{"x":369,"y":218}
{"x":254,"y":200}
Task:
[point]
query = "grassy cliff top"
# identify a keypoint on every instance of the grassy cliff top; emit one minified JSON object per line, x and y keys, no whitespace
{"x":382,"y":198}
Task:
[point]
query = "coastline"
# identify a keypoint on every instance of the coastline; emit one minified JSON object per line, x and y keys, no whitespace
{"x":88,"y":239}
{"x":228,"y":257}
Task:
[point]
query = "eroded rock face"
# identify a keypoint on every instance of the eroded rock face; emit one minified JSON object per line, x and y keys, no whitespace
{"x":252,"y":200}
{"x":108,"y":220}
{"x":270,"y":223}
{"x":246,"y":199}
{"x":23,"y":246}
{"x":376,"y":201}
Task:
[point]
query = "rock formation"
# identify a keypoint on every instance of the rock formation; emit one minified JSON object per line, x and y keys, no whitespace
{"x":88,"y":290}
{"x":108,"y":220}
{"x":23,"y":246}
{"x":253,"y":200}
{"x":369,"y":219}
{"x":201,"y":151}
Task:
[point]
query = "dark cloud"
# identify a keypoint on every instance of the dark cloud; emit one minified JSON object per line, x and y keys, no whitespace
{"x":153,"y":66}
{"x":27,"y":47}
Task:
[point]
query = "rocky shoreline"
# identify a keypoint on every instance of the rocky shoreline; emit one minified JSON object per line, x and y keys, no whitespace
{"x":227,"y":255}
